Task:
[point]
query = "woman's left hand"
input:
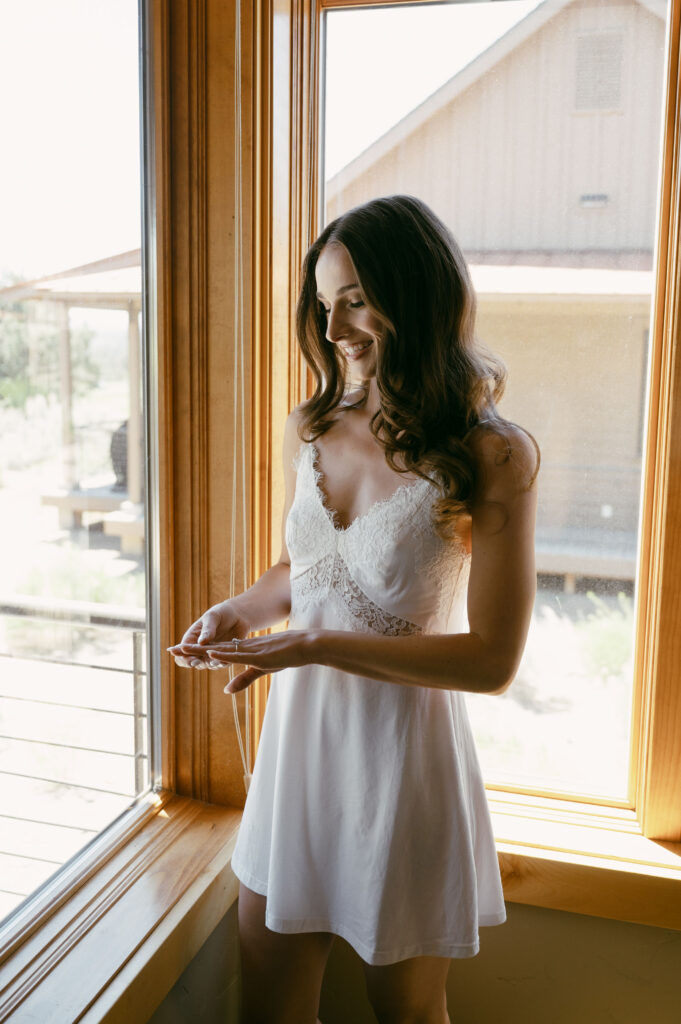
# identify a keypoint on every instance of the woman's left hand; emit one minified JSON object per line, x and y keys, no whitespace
{"x":262,"y":654}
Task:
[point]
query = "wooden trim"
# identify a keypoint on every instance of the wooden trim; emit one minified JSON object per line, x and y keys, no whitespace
{"x":199,"y":160}
{"x":57,"y":892}
{"x":329,"y":5}
{"x":658,"y":703}
{"x":262,"y":355}
{"x":178,"y":864}
{"x":286,"y":184}
{"x":158,"y":74}
{"x":569,"y":856}
{"x":576,"y":884}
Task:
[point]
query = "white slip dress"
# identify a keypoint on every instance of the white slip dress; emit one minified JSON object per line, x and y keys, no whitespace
{"x":367,"y":816}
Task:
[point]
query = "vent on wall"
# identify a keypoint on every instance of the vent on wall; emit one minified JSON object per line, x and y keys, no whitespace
{"x":599,"y":71}
{"x":594,"y":200}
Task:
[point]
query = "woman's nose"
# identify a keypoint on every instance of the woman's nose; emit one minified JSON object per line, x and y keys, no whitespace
{"x":336,"y":324}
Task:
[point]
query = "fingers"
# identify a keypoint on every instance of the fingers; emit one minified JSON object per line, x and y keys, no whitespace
{"x":183,"y":658}
{"x":202,"y":631}
{"x":209,"y":624}
{"x":212,"y":658}
{"x":226,"y":653}
{"x":243,"y":680}
{"x":192,"y":634}
{"x":198,"y":656}
{"x":188,"y":662}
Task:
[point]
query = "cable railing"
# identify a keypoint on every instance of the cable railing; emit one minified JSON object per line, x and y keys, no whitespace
{"x":74,"y":746}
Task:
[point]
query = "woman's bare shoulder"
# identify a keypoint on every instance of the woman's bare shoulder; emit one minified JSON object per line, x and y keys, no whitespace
{"x":292,"y":438}
{"x":504,"y":453}
{"x":295,"y":418}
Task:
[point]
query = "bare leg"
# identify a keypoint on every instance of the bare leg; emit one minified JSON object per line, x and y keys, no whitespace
{"x":409,"y":992}
{"x":281,"y":975}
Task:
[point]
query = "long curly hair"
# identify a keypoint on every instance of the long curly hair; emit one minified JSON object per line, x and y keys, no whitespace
{"x":436,"y":382}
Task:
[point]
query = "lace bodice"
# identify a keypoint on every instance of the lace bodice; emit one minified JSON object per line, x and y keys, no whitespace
{"x":387,"y":572}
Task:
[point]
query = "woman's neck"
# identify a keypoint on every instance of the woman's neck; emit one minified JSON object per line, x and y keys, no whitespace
{"x":372,"y":403}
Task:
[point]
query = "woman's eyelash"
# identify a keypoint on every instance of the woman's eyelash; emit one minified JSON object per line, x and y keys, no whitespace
{"x":351,"y":305}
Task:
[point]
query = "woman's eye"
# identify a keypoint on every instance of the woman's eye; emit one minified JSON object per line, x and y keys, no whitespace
{"x":356,"y":305}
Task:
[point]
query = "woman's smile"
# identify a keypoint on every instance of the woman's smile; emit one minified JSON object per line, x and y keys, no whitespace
{"x":356,"y":350}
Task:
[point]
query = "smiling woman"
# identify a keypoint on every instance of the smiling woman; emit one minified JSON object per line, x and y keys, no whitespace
{"x":385,"y":632}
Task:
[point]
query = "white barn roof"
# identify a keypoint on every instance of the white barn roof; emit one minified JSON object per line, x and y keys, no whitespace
{"x":459,"y":82}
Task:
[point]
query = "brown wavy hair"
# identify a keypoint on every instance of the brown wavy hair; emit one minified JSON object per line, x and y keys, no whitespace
{"x":436,"y":382}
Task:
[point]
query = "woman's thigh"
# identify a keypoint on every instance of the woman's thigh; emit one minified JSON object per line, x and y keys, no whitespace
{"x":410,"y":991}
{"x":281,"y":975}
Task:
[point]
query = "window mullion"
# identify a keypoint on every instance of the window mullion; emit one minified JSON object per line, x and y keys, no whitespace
{"x":657,"y":705}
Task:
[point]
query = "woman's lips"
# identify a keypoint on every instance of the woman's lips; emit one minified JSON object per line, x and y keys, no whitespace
{"x":355,"y":351}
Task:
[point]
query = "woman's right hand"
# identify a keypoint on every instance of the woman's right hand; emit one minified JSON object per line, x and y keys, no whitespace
{"x":220,"y":623}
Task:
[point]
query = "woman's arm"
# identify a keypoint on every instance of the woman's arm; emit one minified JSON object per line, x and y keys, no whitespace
{"x":264,"y":604}
{"x":500,"y":597}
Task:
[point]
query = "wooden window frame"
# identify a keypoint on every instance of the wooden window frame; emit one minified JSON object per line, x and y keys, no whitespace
{"x":141,"y":901}
{"x":612,"y":859}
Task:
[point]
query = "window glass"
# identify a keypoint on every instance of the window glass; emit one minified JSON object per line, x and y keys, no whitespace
{"x":533,"y":130}
{"x":73,"y":693}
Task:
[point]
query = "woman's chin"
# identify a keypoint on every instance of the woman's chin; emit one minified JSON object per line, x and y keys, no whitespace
{"x":358,"y":375}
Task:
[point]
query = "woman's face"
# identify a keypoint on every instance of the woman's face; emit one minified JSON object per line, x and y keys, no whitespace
{"x":350,"y":324}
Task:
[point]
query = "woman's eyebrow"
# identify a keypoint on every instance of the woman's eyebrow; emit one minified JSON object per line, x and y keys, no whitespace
{"x":345,"y":288}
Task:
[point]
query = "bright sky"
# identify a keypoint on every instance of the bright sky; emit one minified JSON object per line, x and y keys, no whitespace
{"x":69,"y":179}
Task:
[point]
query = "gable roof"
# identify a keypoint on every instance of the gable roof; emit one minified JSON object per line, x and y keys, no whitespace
{"x":461,"y":81}
{"x":110,"y":283}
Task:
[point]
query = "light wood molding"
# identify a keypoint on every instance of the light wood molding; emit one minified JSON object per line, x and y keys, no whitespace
{"x":198,"y":159}
{"x":176,"y":867}
{"x":264,"y":354}
{"x":158,"y":74}
{"x":286,"y":187}
{"x":578,"y":884}
{"x":657,"y":707}
{"x":339,"y":5}
{"x":65,"y":888}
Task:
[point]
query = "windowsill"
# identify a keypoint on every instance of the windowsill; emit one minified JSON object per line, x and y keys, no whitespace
{"x":115,"y":948}
{"x":594,"y":860}
{"x":119,"y":942}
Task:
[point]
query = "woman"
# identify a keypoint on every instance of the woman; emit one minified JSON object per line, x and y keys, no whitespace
{"x":410,"y":508}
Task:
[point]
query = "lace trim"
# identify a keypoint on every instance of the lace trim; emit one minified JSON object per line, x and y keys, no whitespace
{"x":331,"y":575}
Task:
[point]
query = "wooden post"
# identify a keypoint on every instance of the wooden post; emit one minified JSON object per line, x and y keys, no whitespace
{"x":66,"y":400}
{"x":134,"y":466}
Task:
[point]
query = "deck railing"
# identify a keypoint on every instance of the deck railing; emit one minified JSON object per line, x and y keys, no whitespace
{"x":72,"y":760}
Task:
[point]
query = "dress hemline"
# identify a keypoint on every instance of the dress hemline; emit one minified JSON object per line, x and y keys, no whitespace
{"x":375,"y":958}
